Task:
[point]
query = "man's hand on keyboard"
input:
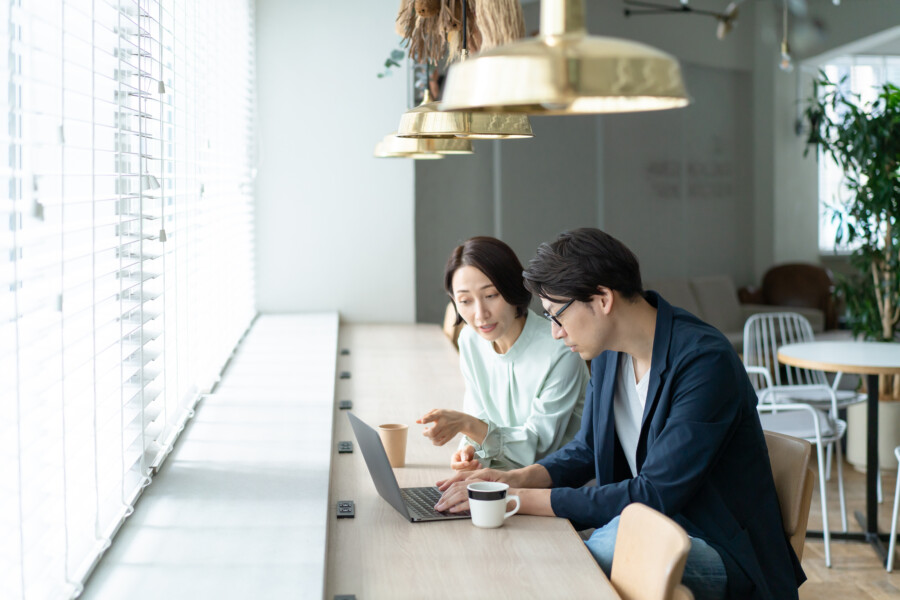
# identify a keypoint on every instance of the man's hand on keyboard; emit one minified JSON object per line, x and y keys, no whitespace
{"x":456,"y":498}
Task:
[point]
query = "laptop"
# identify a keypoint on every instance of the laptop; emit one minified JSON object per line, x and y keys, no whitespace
{"x":415,"y":504}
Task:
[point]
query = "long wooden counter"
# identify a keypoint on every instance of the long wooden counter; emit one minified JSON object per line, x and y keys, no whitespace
{"x":397,"y":373}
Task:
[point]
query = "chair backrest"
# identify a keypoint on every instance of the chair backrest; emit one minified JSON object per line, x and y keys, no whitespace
{"x":718,"y":300}
{"x":677,"y":292}
{"x":649,"y":557}
{"x":451,"y":328}
{"x":801,"y":284}
{"x":764,"y":333}
{"x":794,"y":479}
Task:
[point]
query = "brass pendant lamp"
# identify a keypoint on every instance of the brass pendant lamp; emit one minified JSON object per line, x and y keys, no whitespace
{"x":427,"y":120}
{"x":421,"y":149}
{"x":565,"y":71}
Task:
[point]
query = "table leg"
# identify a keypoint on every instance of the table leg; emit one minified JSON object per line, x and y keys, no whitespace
{"x":872,"y":466}
{"x":869,"y":522}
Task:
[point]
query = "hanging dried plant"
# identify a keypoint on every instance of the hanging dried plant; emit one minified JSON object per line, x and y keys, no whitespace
{"x":428,"y":8}
{"x":406,"y":18}
{"x":431,"y":28}
{"x":423,"y":35}
{"x":451,"y":24}
{"x":499,"y":22}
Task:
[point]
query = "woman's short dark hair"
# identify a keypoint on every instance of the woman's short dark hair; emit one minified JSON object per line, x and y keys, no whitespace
{"x":499,"y":264}
{"x":572,"y":267}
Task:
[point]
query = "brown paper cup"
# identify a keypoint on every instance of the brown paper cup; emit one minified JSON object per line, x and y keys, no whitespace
{"x":393,"y":436}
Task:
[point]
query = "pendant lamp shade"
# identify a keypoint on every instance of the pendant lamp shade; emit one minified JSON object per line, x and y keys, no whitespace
{"x":426,"y":121}
{"x":565,"y":71}
{"x":396,"y":147}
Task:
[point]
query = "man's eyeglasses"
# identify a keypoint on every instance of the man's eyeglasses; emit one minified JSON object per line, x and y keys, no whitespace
{"x":555,"y":317}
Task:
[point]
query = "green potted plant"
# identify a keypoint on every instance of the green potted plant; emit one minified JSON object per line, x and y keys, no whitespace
{"x":863,"y":138}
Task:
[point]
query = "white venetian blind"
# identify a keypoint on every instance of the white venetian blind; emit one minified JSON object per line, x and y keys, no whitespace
{"x":126,"y":255}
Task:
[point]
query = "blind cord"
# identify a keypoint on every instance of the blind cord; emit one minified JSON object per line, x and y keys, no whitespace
{"x":97,"y":534}
{"x":15,"y":224}
{"x":162,"y":232}
{"x":143,"y":159}
{"x":62,"y":287}
{"x":119,"y":120}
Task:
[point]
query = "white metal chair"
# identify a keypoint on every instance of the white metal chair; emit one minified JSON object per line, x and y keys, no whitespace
{"x":806,"y":422}
{"x":893,"y":541}
{"x":764,"y":333}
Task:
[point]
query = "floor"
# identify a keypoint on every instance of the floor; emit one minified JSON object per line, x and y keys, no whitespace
{"x":856,"y":572}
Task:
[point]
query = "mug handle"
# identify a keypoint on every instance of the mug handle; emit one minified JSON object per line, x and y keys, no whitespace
{"x":513,"y":511}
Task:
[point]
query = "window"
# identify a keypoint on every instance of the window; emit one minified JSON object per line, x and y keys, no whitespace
{"x":864,"y":75}
{"x":126,"y":258}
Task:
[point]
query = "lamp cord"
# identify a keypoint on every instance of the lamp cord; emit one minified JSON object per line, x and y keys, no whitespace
{"x":785,"y":23}
{"x":465,"y":50}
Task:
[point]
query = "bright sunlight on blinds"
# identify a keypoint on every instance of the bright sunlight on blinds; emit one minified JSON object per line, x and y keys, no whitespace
{"x":126,"y":258}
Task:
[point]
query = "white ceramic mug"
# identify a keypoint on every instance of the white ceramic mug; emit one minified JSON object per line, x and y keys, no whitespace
{"x":487,"y":503}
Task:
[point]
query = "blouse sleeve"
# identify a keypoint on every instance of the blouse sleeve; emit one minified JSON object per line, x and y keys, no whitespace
{"x":473,"y":404}
{"x":558,"y":400}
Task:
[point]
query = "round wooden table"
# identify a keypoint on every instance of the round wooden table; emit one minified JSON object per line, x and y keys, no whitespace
{"x":862,"y":358}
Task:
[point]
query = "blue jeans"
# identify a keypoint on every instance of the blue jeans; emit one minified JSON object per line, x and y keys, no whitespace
{"x":704,"y":572}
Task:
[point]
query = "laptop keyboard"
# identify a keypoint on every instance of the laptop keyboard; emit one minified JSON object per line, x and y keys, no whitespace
{"x":420,"y":502}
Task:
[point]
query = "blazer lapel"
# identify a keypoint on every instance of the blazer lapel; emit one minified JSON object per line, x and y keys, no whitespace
{"x":604,"y":422}
{"x":658,"y":363}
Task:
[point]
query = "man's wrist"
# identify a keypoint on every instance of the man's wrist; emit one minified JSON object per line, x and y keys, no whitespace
{"x":534,"y":502}
{"x":533,"y":477}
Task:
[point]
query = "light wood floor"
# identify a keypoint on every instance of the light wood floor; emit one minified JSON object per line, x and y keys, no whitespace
{"x":855,"y":572}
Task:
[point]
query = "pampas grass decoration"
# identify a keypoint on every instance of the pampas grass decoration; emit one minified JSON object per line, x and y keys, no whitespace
{"x":431,"y":28}
{"x":423,"y":35}
{"x":428,"y":8}
{"x":451,"y":23}
{"x":406,"y":18}
{"x":499,"y":22}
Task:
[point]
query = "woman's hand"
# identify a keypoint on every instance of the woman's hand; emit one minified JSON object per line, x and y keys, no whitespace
{"x":446,"y":424}
{"x":464,"y":459}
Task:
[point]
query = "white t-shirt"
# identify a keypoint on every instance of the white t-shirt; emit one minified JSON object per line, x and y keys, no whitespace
{"x":628,"y":408}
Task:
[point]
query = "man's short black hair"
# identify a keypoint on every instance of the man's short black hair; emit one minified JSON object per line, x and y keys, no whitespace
{"x":499,"y":264}
{"x":572,"y":266}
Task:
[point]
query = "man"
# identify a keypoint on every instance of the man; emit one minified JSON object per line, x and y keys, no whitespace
{"x":669,"y":421}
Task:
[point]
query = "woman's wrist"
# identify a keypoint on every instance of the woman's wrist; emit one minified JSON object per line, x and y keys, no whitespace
{"x":476,"y":429}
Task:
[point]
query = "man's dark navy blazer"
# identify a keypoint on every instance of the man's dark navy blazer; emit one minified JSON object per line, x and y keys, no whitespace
{"x":701,"y":456}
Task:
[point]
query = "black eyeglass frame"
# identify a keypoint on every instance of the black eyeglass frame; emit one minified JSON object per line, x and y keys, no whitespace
{"x":555,"y":317}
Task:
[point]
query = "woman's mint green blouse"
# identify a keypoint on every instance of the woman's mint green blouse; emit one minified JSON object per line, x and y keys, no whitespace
{"x":531,"y":397}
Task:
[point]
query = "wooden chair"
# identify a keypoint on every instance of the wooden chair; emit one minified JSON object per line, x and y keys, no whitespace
{"x":450,"y":327}
{"x":794,"y":481}
{"x":649,"y":557}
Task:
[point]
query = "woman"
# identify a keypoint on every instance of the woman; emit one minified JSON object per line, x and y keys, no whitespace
{"x":524,"y":389}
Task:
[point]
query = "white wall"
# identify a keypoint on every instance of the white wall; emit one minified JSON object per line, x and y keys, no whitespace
{"x":334,"y":226}
{"x":677,"y":182}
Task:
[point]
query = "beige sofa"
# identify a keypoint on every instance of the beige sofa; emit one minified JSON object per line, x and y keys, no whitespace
{"x":714,"y":299}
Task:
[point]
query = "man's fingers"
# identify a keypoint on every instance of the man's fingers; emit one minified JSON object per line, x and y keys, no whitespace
{"x":445,"y":483}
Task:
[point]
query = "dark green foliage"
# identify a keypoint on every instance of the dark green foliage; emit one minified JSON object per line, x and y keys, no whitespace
{"x":863,"y":138}
{"x":392,"y":61}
